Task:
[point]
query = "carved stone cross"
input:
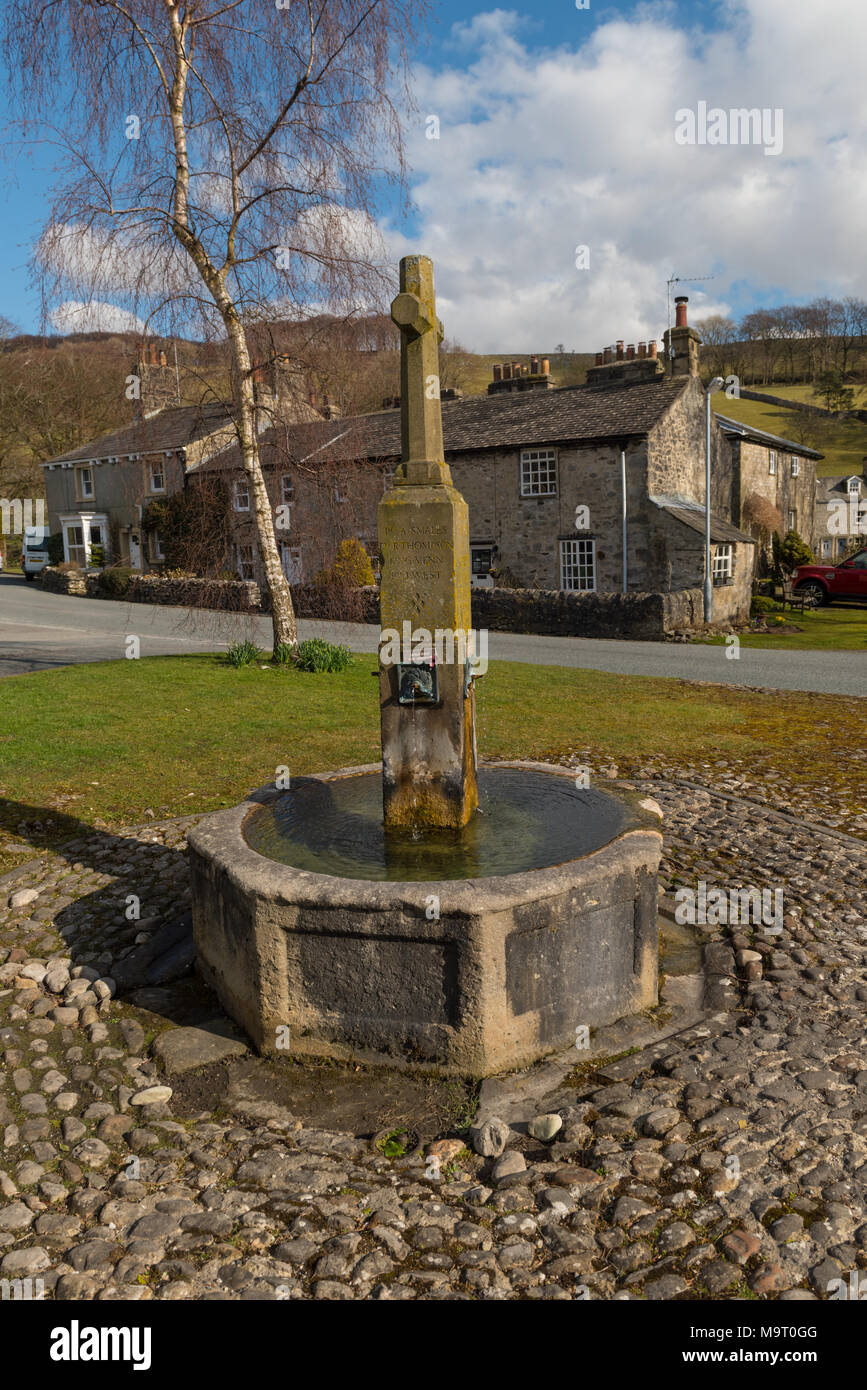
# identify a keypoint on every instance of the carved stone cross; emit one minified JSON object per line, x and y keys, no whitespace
{"x":414,"y":312}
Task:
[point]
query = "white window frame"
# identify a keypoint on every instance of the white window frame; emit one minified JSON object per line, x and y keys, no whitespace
{"x":796,"y":467}
{"x":84,"y":520}
{"x":853,"y":484}
{"x":241,"y":489}
{"x":574,"y":563}
{"x":291,"y":563}
{"x":826,"y":547}
{"x":157,"y":470}
{"x":85,"y":493}
{"x":772,"y":461}
{"x":792,"y":519}
{"x":723,"y":562}
{"x":539,"y":473}
{"x":156,"y":546}
{"x":243,"y":560}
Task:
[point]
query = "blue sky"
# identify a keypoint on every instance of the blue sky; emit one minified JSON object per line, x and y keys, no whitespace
{"x":557,"y":130}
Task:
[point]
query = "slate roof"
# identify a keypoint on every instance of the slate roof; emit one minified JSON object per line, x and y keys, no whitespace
{"x":826,"y":486}
{"x":567,"y":414}
{"x":742,"y":431}
{"x":166,"y":431}
{"x":692,"y":515}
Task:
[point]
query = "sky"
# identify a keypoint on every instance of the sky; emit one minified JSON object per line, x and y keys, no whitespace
{"x":560,"y":178}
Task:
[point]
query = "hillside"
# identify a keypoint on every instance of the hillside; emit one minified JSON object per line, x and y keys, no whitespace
{"x":843,"y":442}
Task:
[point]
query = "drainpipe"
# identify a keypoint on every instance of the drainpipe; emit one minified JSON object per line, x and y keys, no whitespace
{"x":623,"y":517}
{"x":708,"y":574}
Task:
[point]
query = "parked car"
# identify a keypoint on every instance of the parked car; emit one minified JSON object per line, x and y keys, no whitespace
{"x":34,"y":553}
{"x":827,"y":582}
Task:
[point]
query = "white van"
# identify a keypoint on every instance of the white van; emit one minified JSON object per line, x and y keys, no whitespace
{"x":34,"y":552}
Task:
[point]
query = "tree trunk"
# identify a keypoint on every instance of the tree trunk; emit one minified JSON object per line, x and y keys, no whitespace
{"x":285,"y":631}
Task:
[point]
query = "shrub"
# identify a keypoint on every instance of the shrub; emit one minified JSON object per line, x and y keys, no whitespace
{"x":351,"y":569}
{"x":284,"y":655}
{"x":791,"y":552}
{"x":242,"y":654}
{"x":761,"y":605}
{"x":318,"y":655}
{"x":114,"y":582}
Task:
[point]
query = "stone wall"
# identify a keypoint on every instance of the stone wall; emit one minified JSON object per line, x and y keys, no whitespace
{"x":234,"y":596}
{"x":545,"y":612}
{"x":559,"y":613}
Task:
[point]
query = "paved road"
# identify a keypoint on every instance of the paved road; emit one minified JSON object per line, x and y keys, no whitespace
{"x":39,"y":630}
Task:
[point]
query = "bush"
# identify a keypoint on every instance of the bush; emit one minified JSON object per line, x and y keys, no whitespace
{"x":242,"y":654}
{"x":762,"y":605}
{"x":114,"y":582}
{"x":284,"y":655}
{"x":789,"y":553}
{"x":318,"y":655}
{"x":351,"y":569}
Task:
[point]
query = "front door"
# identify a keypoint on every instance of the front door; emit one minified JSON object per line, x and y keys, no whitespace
{"x":134,"y":552}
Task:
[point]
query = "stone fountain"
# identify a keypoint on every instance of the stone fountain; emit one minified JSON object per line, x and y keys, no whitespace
{"x":427,"y":910}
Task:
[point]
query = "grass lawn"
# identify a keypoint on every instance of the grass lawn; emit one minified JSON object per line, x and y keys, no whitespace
{"x":824,"y":629}
{"x":174,"y":735}
{"x":843,"y":442}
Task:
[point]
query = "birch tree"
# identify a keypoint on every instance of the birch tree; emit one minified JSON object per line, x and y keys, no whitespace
{"x":219,"y":164}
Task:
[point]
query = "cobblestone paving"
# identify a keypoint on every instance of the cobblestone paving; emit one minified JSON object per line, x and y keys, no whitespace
{"x":726,"y":1161}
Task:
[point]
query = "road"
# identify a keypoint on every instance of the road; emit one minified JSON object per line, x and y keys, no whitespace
{"x":39,"y":630}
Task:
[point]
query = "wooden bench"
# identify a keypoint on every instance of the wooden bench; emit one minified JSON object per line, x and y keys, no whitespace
{"x":792,"y":599}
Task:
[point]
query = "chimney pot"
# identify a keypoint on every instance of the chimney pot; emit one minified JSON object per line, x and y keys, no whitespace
{"x":642,"y":349}
{"x":534,"y":366}
{"x":163,"y":359}
{"x":608,"y":355}
{"x":498,"y":372}
{"x":630,"y":352}
{"x":546,"y":366}
{"x":619,"y":349}
{"x":651,"y":348}
{"x":599,"y":357}
{"x":507,"y":371}
{"x":680,"y":304}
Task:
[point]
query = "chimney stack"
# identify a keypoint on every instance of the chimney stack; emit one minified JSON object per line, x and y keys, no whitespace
{"x":619,"y":349}
{"x":498,"y":372}
{"x":546,"y":367}
{"x":630,"y":351}
{"x":682,"y":343}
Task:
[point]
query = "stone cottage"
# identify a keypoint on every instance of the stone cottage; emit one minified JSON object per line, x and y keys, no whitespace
{"x":840,"y":519}
{"x":597,"y":487}
{"x":782,"y":474}
{"x":96,"y":494}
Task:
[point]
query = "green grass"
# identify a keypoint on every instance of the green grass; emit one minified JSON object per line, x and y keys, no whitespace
{"x":824,"y":629}
{"x":843,"y":442}
{"x":174,"y":735}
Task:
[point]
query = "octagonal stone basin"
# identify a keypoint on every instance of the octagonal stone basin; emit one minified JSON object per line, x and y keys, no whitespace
{"x":477,"y":971}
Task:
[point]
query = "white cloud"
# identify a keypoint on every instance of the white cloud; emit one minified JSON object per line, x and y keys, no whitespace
{"x":73,"y":316}
{"x":543,"y":151}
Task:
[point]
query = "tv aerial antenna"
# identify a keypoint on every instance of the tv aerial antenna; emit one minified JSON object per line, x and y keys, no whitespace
{"x":682,"y":280}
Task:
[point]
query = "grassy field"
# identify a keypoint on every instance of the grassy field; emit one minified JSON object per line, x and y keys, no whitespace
{"x":825,"y":629}
{"x":843,"y":442}
{"x":106,"y":743}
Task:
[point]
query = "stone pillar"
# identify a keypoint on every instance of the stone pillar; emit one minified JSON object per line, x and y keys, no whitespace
{"x":427,"y":706}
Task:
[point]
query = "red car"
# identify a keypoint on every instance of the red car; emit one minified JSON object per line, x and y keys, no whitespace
{"x":827,"y":582}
